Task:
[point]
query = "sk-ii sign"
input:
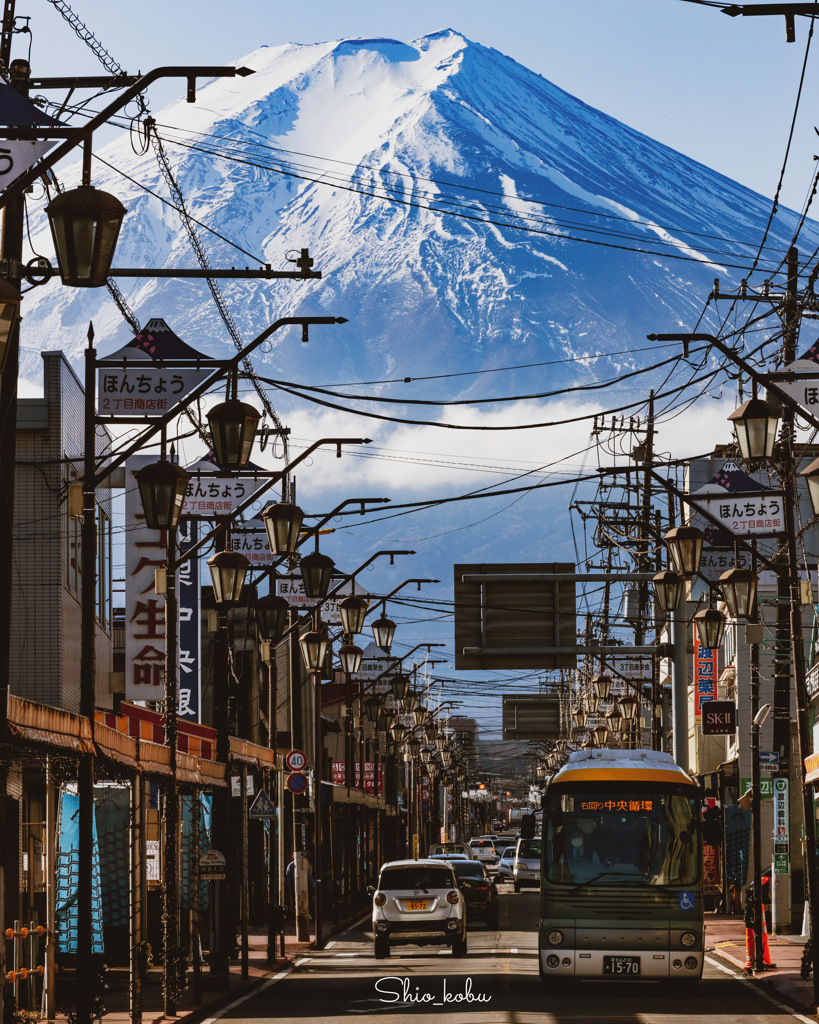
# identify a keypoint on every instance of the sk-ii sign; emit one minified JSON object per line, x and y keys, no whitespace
{"x":718,"y":717}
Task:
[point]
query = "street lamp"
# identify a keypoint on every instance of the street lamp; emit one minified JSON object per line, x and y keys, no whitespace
{"x":398,"y":730}
{"x":755,"y":424}
{"x":350,"y":657}
{"x":313,"y":650}
{"x":811,"y":475}
{"x":162,"y":488}
{"x":669,"y":588}
{"x":228,"y":570}
{"x":399,"y":684}
{"x":710,"y":625}
{"x":602,"y":686}
{"x":316,"y":573}
{"x":85,"y":224}
{"x":684,"y":544}
{"x":579,"y":716}
{"x":9,"y":312}
{"x":383,"y":632}
{"x":233,"y":428}
{"x":739,"y":590}
{"x":271,"y":611}
{"x":629,"y":705}
{"x":283,"y":524}
{"x":353,"y":611}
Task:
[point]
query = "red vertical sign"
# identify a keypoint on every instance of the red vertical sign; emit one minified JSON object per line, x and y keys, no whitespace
{"x":705,"y":675}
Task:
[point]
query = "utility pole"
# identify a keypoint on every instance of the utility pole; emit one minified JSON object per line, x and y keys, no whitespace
{"x":11,"y":249}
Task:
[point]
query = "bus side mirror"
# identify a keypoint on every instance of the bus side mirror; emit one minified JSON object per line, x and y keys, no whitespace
{"x":527,"y":826}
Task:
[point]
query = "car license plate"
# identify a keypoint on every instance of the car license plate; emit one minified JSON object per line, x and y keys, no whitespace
{"x":621,"y":965}
{"x":416,"y":904}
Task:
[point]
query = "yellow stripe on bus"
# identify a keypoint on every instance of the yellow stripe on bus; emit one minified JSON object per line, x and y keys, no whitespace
{"x":623,"y":775}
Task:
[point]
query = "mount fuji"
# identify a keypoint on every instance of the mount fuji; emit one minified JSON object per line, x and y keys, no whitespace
{"x":484,"y":233}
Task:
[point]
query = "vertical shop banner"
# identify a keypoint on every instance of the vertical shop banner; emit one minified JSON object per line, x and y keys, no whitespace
{"x":705,"y":675}
{"x":189,"y":592}
{"x":781,"y":830}
{"x":144,"y":610}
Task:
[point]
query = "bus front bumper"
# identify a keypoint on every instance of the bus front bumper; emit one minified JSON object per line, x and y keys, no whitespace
{"x":621,"y":964}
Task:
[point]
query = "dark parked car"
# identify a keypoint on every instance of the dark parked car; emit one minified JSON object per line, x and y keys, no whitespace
{"x":479,"y":891}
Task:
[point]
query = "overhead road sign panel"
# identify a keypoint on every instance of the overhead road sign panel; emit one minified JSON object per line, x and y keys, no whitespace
{"x":515,"y":615}
{"x":528,"y":716}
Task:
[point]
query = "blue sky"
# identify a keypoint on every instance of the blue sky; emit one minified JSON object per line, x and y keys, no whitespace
{"x":721,"y":90}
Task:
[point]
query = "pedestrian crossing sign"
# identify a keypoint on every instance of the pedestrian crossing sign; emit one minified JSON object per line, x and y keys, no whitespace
{"x":262,"y":806}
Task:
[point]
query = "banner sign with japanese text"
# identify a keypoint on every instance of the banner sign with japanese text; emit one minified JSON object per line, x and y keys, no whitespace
{"x":145,"y":552}
{"x":189,"y":594}
{"x":339,"y":776}
{"x":141,"y":385}
{"x":705,"y":675}
{"x":209,"y":495}
{"x":292,"y":590}
{"x":741,"y":504}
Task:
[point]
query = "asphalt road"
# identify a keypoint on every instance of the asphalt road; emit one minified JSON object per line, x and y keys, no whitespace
{"x":497,"y":983}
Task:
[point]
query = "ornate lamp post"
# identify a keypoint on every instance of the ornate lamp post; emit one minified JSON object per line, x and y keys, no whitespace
{"x":710,"y":625}
{"x":314,"y":651}
{"x":316,"y":573}
{"x":383,"y":632}
{"x":85,"y":225}
{"x":272,"y":613}
{"x":282,"y":522}
{"x":755,"y":423}
{"x":739,"y":590}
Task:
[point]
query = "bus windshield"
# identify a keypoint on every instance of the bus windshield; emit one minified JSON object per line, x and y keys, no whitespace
{"x":603,"y":836}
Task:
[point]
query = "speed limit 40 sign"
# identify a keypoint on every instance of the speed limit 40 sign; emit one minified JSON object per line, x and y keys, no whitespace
{"x":296,"y":760}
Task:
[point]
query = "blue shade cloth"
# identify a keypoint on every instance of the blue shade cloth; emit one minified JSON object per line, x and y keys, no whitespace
{"x":112,"y":805}
{"x":737,"y":844}
{"x":68,"y":856}
{"x":190,"y":806}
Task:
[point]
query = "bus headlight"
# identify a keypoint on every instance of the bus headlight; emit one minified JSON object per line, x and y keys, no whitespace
{"x":688,"y":939}
{"x":555,"y":937}
{"x":691,"y":963}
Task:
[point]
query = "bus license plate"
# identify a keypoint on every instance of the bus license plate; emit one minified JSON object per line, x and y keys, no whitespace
{"x":621,"y":965}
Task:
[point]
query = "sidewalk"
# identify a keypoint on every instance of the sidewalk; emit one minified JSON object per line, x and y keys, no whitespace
{"x":725,"y":938}
{"x":189,"y":1011}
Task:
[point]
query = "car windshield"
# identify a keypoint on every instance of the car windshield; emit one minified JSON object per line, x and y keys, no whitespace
{"x":603,"y":836}
{"x":529,"y":848}
{"x":469,"y":869}
{"x":508,"y":853}
{"x":409,"y":876}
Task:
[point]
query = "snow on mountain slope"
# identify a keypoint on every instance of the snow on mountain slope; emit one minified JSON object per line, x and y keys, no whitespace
{"x":400,"y":166}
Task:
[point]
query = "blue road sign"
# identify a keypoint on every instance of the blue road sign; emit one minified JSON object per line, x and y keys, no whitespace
{"x":262,"y":806}
{"x":296,"y":782}
{"x":769,"y":757}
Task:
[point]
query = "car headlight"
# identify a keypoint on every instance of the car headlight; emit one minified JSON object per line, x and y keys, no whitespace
{"x":689,"y":939}
{"x":555,"y":937}
{"x":453,"y":896}
{"x":379,"y":899}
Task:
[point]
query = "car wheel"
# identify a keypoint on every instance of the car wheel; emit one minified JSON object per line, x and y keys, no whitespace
{"x":381,"y":947}
{"x":459,"y":946}
{"x":517,"y":886}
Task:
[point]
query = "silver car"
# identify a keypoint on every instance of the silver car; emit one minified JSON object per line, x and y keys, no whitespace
{"x":526,"y":869}
{"x":506,"y":865}
{"x":417,"y":902}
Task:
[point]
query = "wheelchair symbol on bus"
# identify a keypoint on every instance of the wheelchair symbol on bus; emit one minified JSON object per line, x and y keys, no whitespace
{"x":686,"y":901}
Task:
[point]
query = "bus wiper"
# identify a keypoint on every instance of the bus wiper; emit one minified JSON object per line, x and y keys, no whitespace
{"x":589,"y":881}
{"x":620,"y":881}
